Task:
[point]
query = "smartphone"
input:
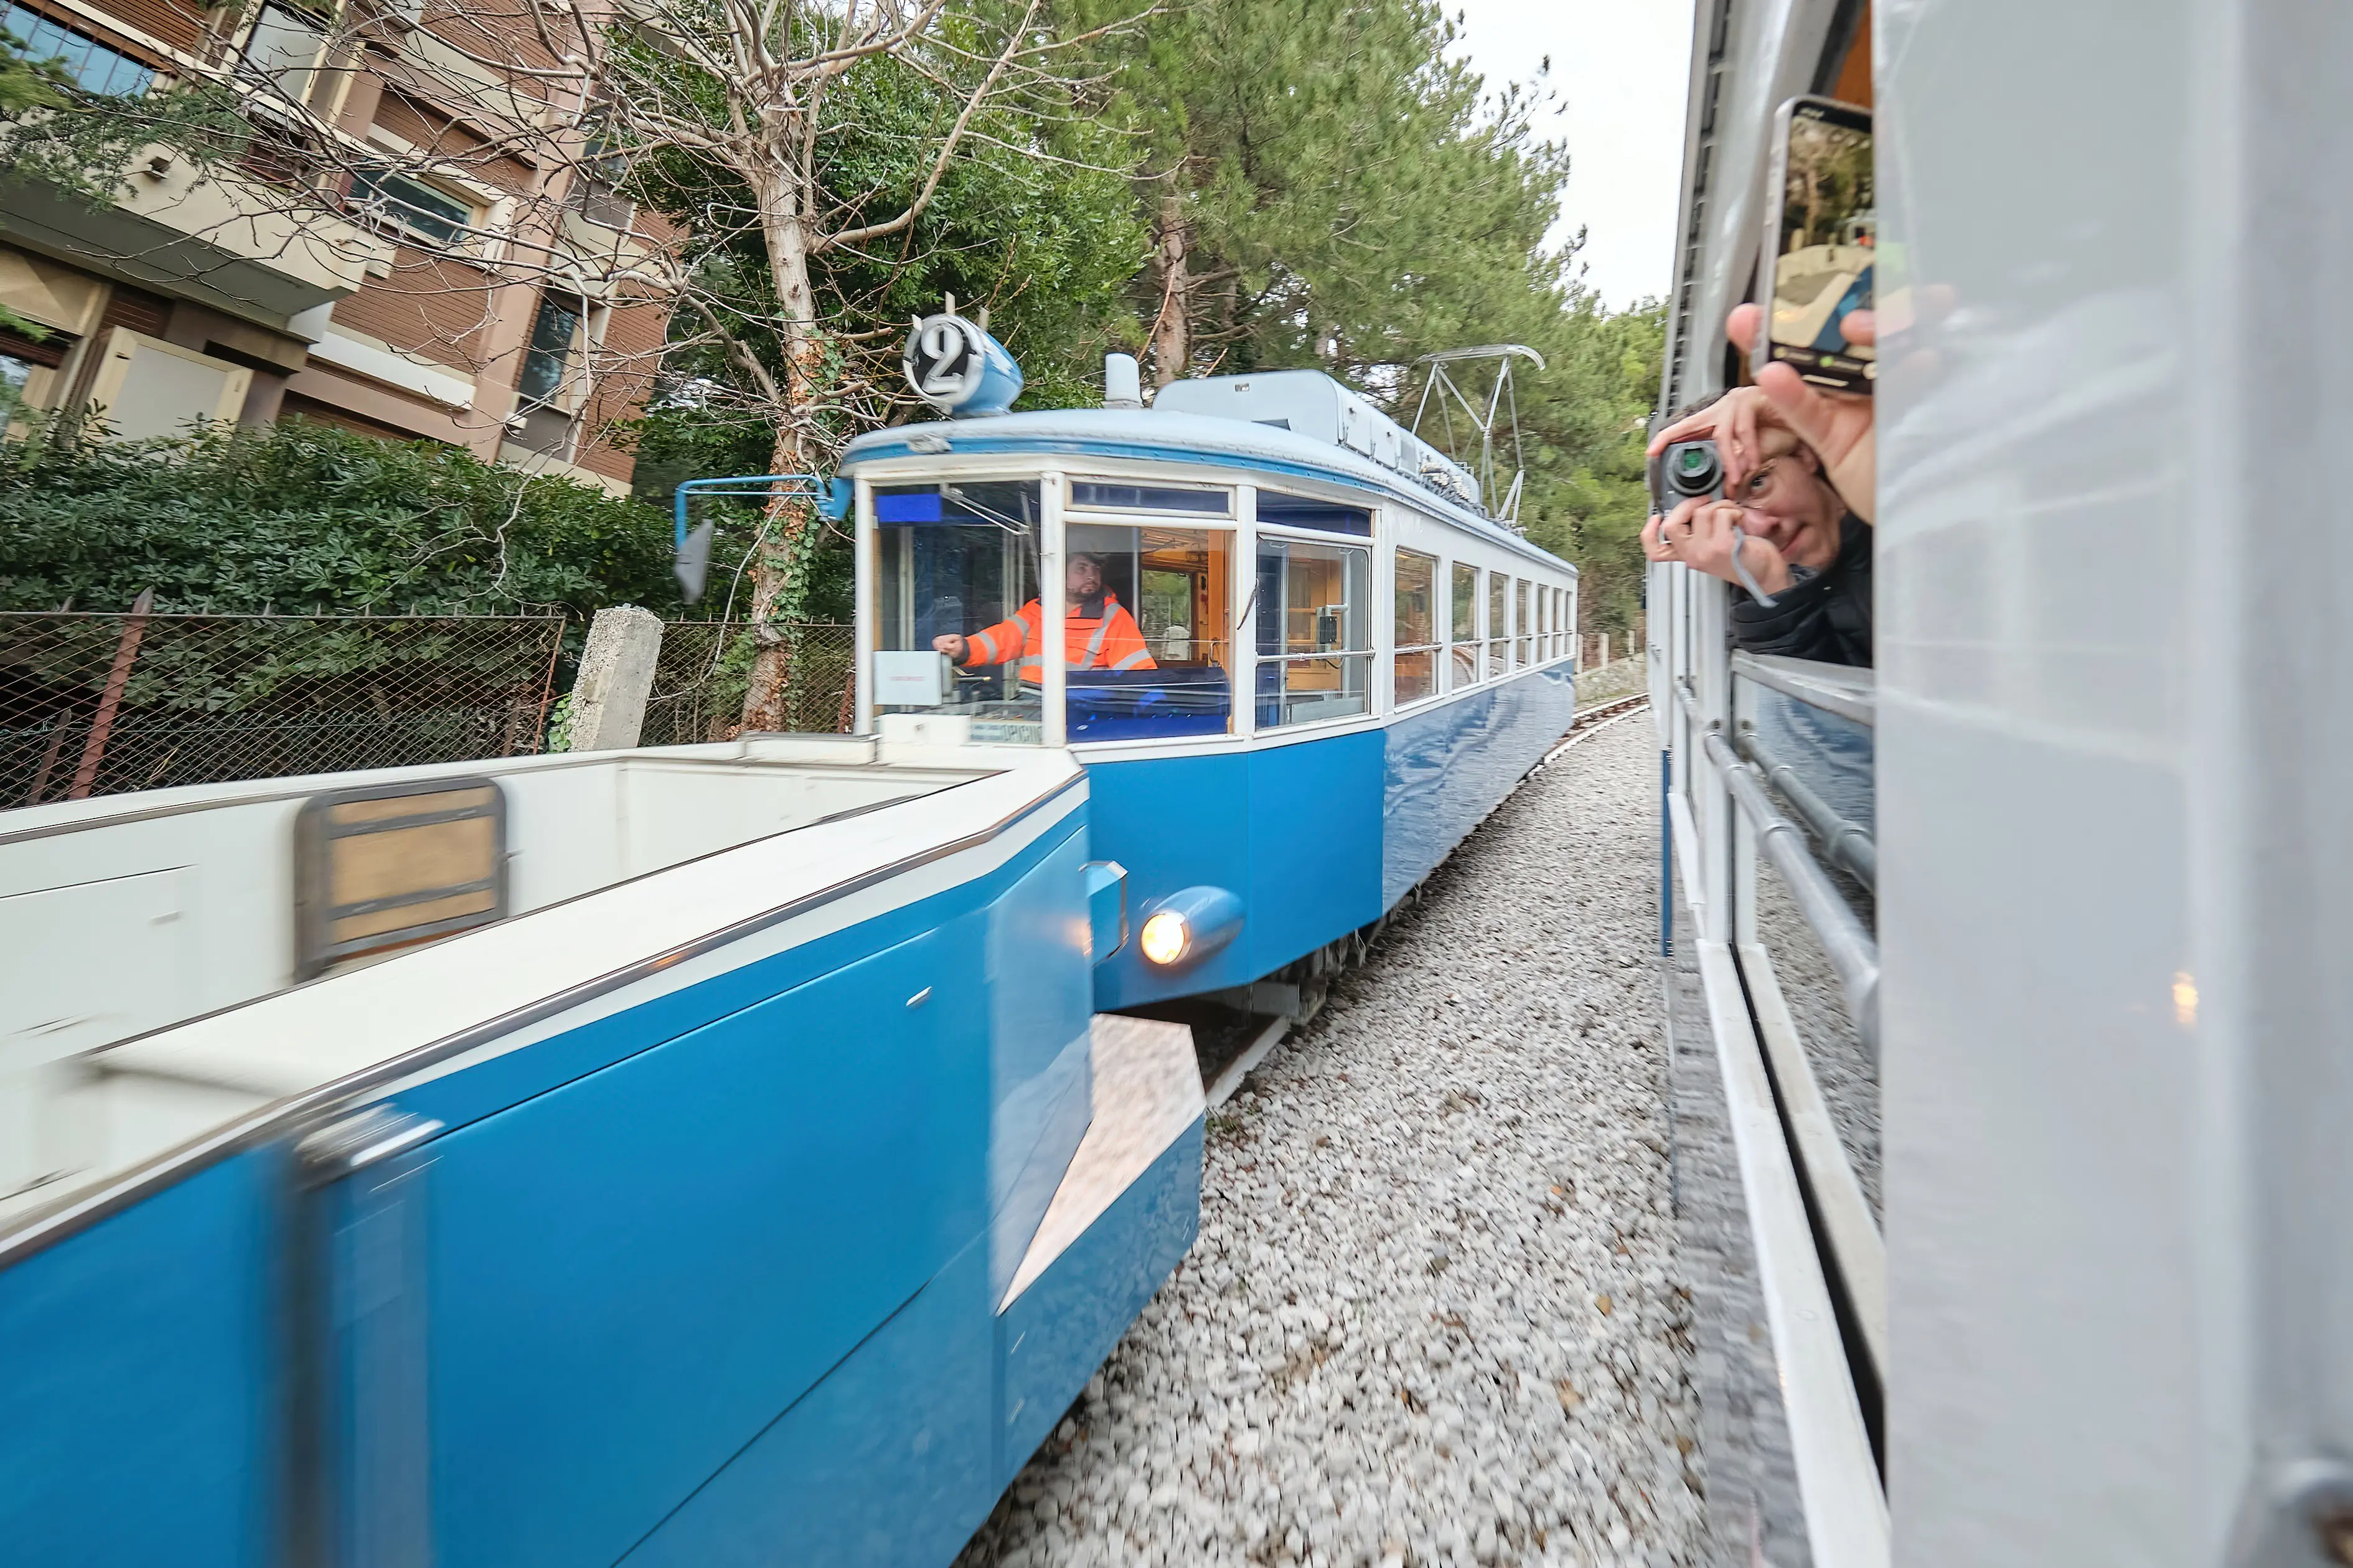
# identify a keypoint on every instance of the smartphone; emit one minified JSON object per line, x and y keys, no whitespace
{"x":1821,"y":238}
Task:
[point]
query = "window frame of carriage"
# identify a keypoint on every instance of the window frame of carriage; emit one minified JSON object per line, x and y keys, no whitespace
{"x":1366,"y":533}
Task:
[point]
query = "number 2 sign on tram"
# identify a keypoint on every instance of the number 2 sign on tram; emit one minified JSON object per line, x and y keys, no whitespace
{"x":957,"y":367}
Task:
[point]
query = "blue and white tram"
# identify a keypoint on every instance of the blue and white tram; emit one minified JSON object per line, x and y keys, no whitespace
{"x":1402,"y":659}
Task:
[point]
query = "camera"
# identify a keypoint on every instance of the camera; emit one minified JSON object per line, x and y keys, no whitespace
{"x":1686,"y":468}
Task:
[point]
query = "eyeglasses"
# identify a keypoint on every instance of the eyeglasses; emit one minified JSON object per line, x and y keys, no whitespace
{"x":1755,"y":487}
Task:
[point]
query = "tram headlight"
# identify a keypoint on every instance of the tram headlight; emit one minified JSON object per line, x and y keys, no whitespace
{"x":1188,"y":926}
{"x":1166,"y":937}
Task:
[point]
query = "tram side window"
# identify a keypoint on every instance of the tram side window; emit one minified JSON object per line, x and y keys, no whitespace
{"x":1498,"y":641}
{"x":1314,"y":641}
{"x":1464,"y":627}
{"x":954,"y":561}
{"x":1562,"y":631}
{"x":1523,"y":646}
{"x":1416,"y":663}
{"x":1147,"y":642}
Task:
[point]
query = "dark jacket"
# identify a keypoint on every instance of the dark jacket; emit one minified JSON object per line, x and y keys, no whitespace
{"x":1825,"y":617}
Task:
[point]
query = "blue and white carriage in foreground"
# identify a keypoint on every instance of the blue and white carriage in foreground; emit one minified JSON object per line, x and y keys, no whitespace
{"x":728,"y":1153}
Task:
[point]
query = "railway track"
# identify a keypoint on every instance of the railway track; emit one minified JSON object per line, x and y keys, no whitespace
{"x":1433,"y":1317}
{"x":1238,"y":1050}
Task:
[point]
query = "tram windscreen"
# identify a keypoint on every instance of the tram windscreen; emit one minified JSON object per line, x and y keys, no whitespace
{"x":957,"y":590}
{"x":1823,"y":227}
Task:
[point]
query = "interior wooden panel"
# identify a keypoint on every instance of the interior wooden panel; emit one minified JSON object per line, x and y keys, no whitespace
{"x":366,"y":866}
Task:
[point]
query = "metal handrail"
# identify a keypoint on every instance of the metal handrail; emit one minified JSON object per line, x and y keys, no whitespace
{"x":1851,"y":949}
{"x":1791,"y":677}
{"x":1849,"y":844}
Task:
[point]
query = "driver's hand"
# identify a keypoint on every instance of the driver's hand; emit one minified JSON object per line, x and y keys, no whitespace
{"x":955,"y":647}
{"x":1699,"y":534}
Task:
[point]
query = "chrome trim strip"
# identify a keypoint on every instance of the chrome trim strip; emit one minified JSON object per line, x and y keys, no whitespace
{"x":44,"y":1228}
{"x":1781,"y":677}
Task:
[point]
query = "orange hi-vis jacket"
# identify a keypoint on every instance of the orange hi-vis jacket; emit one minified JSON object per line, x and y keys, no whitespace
{"x":1108,"y":638}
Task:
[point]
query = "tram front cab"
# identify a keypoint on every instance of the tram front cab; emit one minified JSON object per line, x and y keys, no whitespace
{"x":1296,"y":677}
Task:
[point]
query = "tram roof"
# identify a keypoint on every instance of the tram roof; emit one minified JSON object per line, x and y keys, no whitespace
{"x":1152,"y":436}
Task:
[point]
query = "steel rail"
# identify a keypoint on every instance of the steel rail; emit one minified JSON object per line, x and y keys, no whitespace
{"x":1849,"y":844}
{"x":1851,"y":949}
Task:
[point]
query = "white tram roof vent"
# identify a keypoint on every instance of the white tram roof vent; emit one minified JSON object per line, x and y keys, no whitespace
{"x":1309,"y":403}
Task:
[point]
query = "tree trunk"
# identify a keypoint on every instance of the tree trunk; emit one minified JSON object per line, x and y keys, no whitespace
{"x":1172,"y":330}
{"x":780,"y":574}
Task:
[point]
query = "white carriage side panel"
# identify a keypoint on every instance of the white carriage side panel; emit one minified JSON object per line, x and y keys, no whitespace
{"x":2115,"y":865}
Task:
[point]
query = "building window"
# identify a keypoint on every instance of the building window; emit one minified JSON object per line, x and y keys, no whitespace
{"x":553,"y":334}
{"x":14,"y":374}
{"x":1465,"y":625}
{"x":92,"y":66}
{"x":596,"y":188}
{"x":1415,"y":670}
{"x":431,"y":216}
{"x":1313,"y":643}
{"x":1498,"y":641}
{"x":282,"y":49}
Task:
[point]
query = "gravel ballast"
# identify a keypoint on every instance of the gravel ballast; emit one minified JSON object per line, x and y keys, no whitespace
{"x":1434,"y":1315}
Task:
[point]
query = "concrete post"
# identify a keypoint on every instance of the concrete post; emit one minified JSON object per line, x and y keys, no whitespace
{"x":617,"y":672}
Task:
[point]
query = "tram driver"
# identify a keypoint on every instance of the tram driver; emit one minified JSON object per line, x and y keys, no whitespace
{"x":1097,"y":634}
{"x":1800,"y":470}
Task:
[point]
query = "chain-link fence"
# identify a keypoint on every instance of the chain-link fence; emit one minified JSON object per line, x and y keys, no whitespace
{"x":706,"y":666}
{"x":98,"y":704}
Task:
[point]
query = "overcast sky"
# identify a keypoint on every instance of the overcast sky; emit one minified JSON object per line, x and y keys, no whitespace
{"x":1620,"y":69}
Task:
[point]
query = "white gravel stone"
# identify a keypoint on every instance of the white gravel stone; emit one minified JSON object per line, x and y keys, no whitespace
{"x":1434,"y":1315}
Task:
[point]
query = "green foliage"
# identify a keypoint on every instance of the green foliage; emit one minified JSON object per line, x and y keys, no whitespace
{"x":28,"y":84}
{"x":83,"y":145}
{"x":299,"y":518}
{"x":1587,"y":425}
{"x":1031,"y":221}
{"x":1350,"y":200}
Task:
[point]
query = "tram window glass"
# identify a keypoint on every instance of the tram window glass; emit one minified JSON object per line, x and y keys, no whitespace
{"x":1524,"y":646}
{"x":1560,"y":627}
{"x":1464,"y":627}
{"x":1416,"y":666}
{"x":1278,"y":510}
{"x":954,"y":561}
{"x":1499,"y":640}
{"x":1150,"y":658}
{"x":1314,"y":641}
{"x":1102,"y":495}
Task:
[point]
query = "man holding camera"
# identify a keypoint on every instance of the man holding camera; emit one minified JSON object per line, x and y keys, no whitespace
{"x":1790,"y":522}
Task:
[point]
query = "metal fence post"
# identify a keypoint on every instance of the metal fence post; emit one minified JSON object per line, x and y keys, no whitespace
{"x":126,"y":652}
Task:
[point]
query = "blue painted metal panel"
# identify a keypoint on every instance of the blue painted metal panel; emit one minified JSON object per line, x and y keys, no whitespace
{"x":890,"y":1460}
{"x":1315,"y":845}
{"x":1060,"y":1330}
{"x":1041,"y":970}
{"x":509,"y":1080}
{"x":1174,"y":822}
{"x":632,"y":1276}
{"x":1447,"y":767}
{"x":140,"y":1383}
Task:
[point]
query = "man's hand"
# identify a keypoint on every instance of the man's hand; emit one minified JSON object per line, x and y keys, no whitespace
{"x":1699,"y":534}
{"x":955,"y":647}
{"x":1838,"y":428}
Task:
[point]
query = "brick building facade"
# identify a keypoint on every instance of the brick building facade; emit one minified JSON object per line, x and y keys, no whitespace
{"x":413,"y":245}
